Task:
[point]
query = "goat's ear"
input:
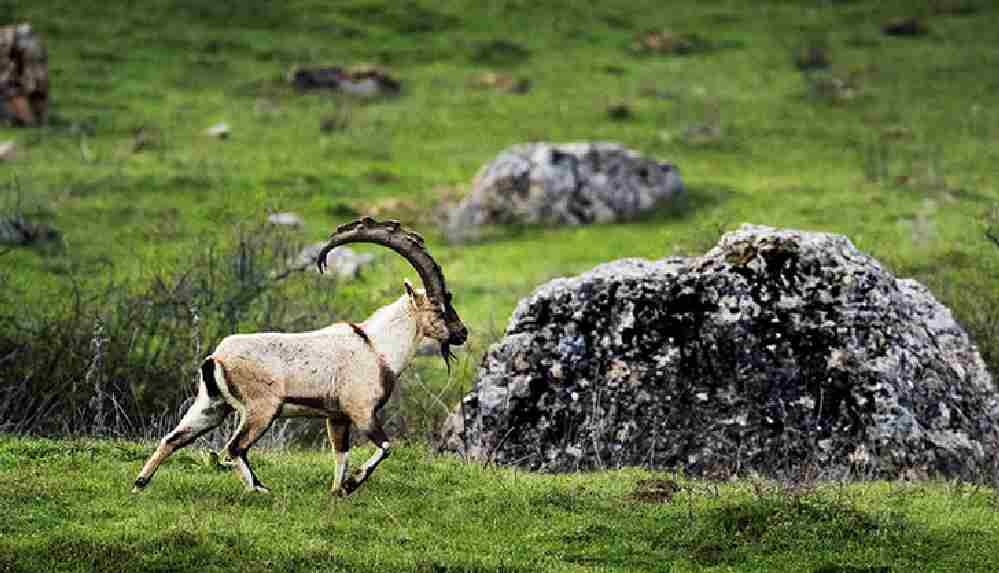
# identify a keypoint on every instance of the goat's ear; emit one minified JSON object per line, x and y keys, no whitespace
{"x":409,"y":289}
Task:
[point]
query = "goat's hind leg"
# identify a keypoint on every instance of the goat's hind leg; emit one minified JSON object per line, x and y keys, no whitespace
{"x":204,"y":415}
{"x":255,"y":420}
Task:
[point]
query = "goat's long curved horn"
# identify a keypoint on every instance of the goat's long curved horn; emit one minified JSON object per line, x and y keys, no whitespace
{"x":411,"y":246}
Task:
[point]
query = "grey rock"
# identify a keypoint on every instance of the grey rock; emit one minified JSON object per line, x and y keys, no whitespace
{"x":361,"y":80}
{"x":219,"y":130}
{"x":364,"y":87}
{"x":564,"y":184}
{"x":286,"y":220}
{"x":775,"y":352}
{"x":8,"y":151}
{"x":344,"y":262}
{"x":17,"y":230}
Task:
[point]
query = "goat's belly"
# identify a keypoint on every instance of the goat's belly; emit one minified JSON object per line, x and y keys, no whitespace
{"x":306,"y":408}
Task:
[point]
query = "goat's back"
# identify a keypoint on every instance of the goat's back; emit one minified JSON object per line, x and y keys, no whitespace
{"x":317,"y":365}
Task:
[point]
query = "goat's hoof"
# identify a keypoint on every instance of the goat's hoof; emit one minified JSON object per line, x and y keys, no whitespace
{"x":349,"y":486}
{"x":259,"y":488}
{"x":140,"y":484}
{"x":339,"y":492}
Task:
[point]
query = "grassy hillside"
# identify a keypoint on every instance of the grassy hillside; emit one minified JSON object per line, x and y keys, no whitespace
{"x":903,"y":161}
{"x":67,"y":507}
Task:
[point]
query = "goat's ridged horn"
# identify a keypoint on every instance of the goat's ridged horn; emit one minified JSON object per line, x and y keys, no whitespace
{"x":411,"y":246}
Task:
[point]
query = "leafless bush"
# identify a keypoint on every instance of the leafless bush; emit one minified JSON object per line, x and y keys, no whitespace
{"x":419,"y":404}
{"x":18,"y":226}
{"x":123,"y":361}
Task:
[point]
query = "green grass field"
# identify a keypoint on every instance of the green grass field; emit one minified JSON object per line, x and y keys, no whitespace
{"x":67,"y":507}
{"x":895,"y":146}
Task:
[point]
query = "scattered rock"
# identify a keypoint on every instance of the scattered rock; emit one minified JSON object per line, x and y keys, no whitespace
{"x":344,"y":262}
{"x":833,"y":87}
{"x":908,"y":26}
{"x":362,"y":80}
{"x":16,"y":230}
{"x":24,"y":76}
{"x":668,"y":42}
{"x":382,"y":177}
{"x":809,"y":58}
{"x":315,"y":78}
{"x":619,"y":111}
{"x":219,"y":130}
{"x":502,"y":82}
{"x":895,"y":132}
{"x":574,"y":184}
{"x":656,"y":490}
{"x":521,"y":86}
{"x":285,"y":220}
{"x":779,"y":352}
{"x":8,"y":151}
{"x":146,"y":137}
{"x":703,"y":134}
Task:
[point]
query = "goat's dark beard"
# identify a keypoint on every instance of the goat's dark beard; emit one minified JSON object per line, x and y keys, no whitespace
{"x":447,"y":355}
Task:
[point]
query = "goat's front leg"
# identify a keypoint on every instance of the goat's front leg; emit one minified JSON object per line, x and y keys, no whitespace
{"x":339,"y":435}
{"x":377,"y":436}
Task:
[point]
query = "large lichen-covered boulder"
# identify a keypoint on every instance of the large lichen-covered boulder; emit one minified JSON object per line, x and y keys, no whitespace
{"x":777,"y":351}
{"x":572,"y":184}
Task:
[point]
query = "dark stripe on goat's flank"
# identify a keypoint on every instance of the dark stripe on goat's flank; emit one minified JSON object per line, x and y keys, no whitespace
{"x":360,"y":332}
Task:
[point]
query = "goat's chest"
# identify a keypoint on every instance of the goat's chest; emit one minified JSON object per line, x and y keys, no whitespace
{"x":369,"y":393}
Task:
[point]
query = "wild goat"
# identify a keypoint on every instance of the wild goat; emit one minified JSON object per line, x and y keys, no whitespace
{"x":344,"y":372}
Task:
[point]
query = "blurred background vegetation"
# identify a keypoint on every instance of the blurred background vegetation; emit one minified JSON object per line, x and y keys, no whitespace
{"x":791,"y":114}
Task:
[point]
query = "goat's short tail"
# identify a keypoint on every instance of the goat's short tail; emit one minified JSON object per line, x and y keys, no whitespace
{"x":208,"y":378}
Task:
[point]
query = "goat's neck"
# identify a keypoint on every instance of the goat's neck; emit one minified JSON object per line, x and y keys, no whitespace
{"x":393,"y":333}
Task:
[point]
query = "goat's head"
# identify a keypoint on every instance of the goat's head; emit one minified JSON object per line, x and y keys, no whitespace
{"x":411,"y":246}
{"x":430,"y":317}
